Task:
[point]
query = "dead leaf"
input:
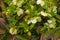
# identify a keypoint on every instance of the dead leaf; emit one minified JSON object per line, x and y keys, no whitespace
{"x":2,"y":31}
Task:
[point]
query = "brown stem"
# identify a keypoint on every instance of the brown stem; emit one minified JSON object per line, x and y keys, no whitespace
{"x":12,"y":37}
{"x":21,"y":18}
{"x":43,"y":38}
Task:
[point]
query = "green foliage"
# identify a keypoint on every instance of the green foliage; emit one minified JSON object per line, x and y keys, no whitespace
{"x":27,"y":15}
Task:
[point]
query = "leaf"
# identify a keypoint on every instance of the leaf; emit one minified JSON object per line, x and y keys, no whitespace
{"x":24,"y":25}
{"x":32,"y":26}
{"x":20,"y":37}
{"x":2,"y":31}
{"x":7,"y":1}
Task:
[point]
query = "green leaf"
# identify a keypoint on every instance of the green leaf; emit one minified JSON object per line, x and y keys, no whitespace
{"x":20,"y":37}
{"x":24,"y":25}
{"x":32,"y":26}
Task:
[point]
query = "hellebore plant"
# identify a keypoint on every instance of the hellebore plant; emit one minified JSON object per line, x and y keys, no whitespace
{"x":27,"y":19}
